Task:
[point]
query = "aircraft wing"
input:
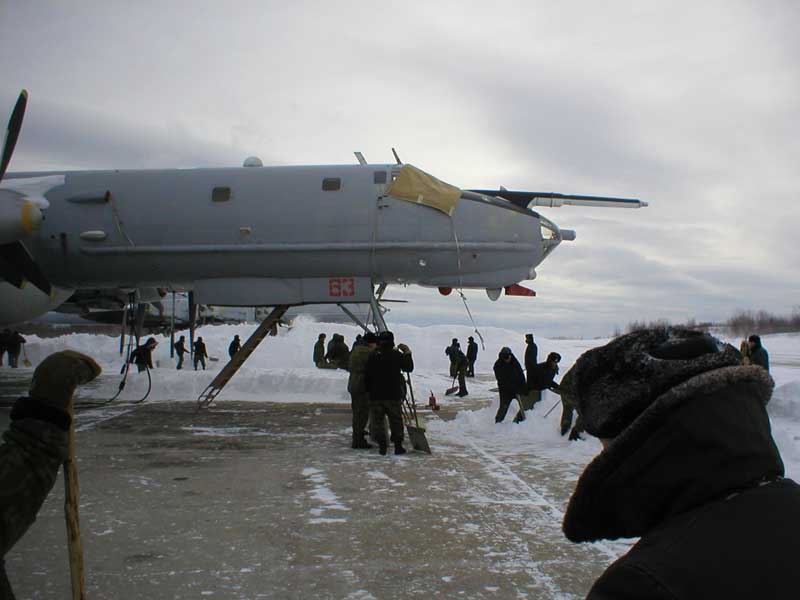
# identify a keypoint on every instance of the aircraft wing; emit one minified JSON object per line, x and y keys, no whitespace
{"x":553,"y":200}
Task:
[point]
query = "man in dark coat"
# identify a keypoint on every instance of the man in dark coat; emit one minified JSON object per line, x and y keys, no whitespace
{"x":383,"y":378}
{"x":4,"y":339}
{"x":510,"y":381}
{"x":689,"y":465}
{"x":14,"y":346}
{"x":540,"y":378}
{"x":319,"y":350}
{"x":758,"y":354}
{"x":143,"y":355}
{"x":472,"y":356}
{"x":200,"y":353}
{"x":35,"y":446}
{"x":338,"y":356}
{"x":531,"y":358}
{"x":452,"y":353}
{"x":359,"y":395}
{"x":462,"y":364}
{"x":234,"y":346}
{"x":180,"y":350}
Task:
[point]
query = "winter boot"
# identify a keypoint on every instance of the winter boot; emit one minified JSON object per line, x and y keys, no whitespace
{"x":575,"y":435}
{"x":361,"y":444}
{"x":382,"y":448}
{"x":398,"y":448}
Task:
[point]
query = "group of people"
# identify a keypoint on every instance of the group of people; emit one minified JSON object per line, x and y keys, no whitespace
{"x":377,"y":390}
{"x":527,"y":386}
{"x":142,"y":356}
{"x":336,"y":355}
{"x":754,"y":353}
{"x":11,"y":343}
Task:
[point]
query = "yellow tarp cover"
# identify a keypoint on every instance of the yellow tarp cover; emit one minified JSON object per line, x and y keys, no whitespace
{"x":414,"y":185}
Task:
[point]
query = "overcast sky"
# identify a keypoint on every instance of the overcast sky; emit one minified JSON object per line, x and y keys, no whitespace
{"x":693,"y":107}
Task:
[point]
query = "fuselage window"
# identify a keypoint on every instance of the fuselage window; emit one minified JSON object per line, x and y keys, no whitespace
{"x":331,"y":184}
{"x":220,"y":194}
{"x":380,"y":177}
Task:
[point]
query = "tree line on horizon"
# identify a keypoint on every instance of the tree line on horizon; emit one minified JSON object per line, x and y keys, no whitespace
{"x":741,"y":323}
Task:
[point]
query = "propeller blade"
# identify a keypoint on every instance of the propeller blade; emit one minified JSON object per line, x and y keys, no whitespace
{"x":17,"y":266}
{"x":12,"y":132}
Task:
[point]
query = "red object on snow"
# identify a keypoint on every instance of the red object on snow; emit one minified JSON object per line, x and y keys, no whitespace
{"x":518,"y":290}
{"x":445,"y":291}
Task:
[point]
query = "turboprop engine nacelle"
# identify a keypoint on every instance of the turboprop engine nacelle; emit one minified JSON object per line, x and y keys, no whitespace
{"x":18,"y":217}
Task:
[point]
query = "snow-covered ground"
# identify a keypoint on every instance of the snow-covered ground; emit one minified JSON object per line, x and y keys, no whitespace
{"x":281,"y":370}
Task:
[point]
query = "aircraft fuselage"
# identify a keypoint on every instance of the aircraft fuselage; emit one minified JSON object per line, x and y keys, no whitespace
{"x":172,"y":228}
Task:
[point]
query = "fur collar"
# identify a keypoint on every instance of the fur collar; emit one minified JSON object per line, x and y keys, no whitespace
{"x":668,"y":460}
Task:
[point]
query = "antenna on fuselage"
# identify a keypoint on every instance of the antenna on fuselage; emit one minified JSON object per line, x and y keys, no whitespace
{"x":397,"y":158}
{"x":361,"y":159}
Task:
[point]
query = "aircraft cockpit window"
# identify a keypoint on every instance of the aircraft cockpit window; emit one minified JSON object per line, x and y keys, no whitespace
{"x":331,"y":184}
{"x":220,"y":194}
{"x":380,"y":177}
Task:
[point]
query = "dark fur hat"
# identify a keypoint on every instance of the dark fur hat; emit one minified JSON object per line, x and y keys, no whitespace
{"x":613,"y":384}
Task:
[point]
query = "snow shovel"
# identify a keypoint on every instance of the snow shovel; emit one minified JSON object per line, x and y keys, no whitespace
{"x":416,"y":433}
{"x":25,"y":360}
{"x":520,"y":416}
{"x":552,"y":408}
{"x":452,"y":389}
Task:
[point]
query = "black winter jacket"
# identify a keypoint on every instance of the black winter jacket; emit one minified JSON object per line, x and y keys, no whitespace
{"x":698,"y":476}
{"x":143,"y":356}
{"x":531,"y":356}
{"x":509,"y":375}
{"x":472,"y":351}
{"x":383,"y":377}
{"x":319,"y":352}
{"x":542,"y":377}
{"x":759,"y":356}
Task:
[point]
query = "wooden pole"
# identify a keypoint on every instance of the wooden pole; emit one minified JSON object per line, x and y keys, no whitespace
{"x":71,"y":497}
{"x":172,"y":329}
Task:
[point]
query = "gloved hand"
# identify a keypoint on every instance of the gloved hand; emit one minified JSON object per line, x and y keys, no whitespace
{"x":55,"y":379}
{"x":404,"y":349}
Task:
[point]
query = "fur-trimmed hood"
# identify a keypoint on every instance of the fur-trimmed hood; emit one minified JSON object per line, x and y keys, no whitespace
{"x":699,"y":441}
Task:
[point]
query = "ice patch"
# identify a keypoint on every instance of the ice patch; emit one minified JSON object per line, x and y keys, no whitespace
{"x":322,"y":494}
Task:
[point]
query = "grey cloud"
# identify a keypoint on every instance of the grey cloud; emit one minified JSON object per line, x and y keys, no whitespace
{"x":77,"y":137}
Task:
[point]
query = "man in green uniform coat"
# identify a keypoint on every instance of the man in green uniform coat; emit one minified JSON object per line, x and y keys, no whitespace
{"x":359,"y":395}
{"x":338,"y":355}
{"x":35,"y":446}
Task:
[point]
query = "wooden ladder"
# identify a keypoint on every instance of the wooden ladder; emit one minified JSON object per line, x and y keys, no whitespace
{"x":208,"y":395}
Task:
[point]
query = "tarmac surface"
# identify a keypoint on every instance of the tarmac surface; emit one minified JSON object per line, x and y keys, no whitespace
{"x":267,"y":500}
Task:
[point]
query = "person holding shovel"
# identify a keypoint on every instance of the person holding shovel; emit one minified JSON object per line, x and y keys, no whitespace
{"x":35,"y":445}
{"x":510,"y":381}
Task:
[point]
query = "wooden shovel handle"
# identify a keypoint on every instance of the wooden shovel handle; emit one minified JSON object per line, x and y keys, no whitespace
{"x":71,"y":497}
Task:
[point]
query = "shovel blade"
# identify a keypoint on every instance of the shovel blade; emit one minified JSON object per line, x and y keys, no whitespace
{"x":418,"y":440}
{"x":451,"y":391}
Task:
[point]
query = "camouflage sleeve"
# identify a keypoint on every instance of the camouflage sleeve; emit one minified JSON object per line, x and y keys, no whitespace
{"x":30,"y":457}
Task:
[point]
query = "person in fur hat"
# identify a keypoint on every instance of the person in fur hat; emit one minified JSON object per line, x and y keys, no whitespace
{"x":689,"y":465}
